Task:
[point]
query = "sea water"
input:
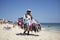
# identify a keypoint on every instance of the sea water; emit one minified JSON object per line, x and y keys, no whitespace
{"x":51,"y":26}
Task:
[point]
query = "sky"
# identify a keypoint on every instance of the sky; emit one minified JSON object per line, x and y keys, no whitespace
{"x":45,"y":11}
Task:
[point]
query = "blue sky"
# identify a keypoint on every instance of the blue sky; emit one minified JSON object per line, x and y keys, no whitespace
{"x":45,"y":11}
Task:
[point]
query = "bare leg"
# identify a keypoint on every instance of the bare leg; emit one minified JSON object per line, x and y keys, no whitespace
{"x":25,"y":30}
{"x":28,"y":33}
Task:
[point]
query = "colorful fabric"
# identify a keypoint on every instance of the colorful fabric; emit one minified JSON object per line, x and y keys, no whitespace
{"x":27,"y":20}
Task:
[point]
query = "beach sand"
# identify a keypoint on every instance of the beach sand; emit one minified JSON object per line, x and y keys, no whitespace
{"x":16,"y":34}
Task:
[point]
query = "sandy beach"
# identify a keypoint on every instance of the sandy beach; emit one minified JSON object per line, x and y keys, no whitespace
{"x":17,"y":34}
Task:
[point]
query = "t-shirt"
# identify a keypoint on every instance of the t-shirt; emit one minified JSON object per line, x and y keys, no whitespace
{"x":27,"y":19}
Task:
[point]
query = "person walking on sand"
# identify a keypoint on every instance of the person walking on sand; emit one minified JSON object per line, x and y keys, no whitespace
{"x":27,"y":20}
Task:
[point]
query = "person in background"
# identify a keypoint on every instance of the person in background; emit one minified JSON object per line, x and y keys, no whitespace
{"x":20,"y":22}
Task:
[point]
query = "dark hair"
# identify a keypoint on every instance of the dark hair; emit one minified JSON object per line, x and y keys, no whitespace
{"x":28,"y":11}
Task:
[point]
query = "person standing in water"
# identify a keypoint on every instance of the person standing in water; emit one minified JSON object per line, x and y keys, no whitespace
{"x":27,"y":20}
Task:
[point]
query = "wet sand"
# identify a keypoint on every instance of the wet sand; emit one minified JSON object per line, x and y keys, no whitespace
{"x":17,"y":34}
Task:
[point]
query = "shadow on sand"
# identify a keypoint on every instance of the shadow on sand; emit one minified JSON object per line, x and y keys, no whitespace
{"x":26,"y":34}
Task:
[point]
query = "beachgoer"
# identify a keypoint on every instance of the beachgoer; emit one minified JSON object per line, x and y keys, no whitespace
{"x":27,"y":20}
{"x":20,"y":22}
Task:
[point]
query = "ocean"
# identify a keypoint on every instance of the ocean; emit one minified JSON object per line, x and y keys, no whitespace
{"x":51,"y":26}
